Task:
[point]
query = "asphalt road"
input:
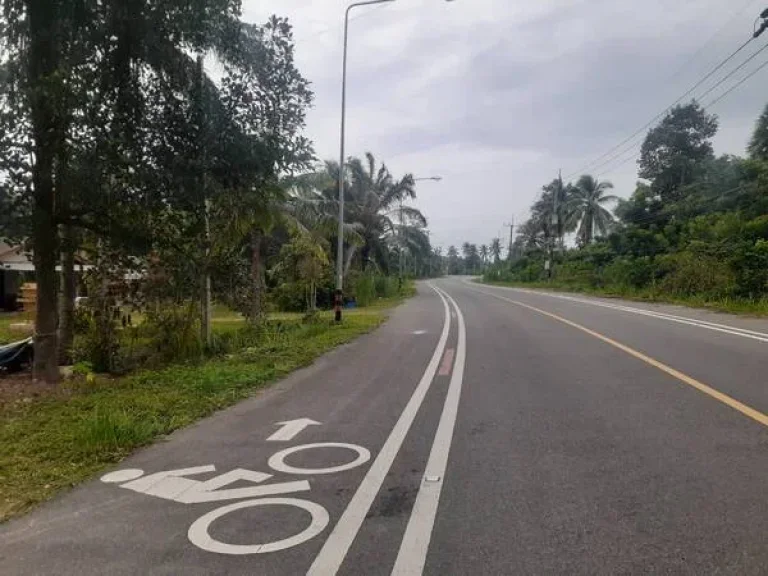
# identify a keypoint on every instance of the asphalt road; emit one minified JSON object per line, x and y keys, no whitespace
{"x":482,"y":430}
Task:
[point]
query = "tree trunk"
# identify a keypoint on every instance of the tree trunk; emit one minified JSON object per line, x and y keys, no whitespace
{"x":68,"y":295}
{"x":257,"y":277}
{"x":46,"y":133}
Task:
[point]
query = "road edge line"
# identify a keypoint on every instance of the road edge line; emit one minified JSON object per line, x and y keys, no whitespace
{"x":337,"y":545}
{"x":414,"y":546}
{"x":705,"y":324}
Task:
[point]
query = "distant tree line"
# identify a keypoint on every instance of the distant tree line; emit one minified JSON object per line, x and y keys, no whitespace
{"x":696,"y":226}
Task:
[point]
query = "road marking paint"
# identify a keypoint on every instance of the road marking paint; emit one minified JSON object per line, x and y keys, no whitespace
{"x":277,"y":461}
{"x":290,"y":429}
{"x":122,"y":475}
{"x":335,"y":549}
{"x":200,"y":536}
{"x":419,"y":332}
{"x":415,"y":545}
{"x":748,"y":411}
{"x":707,"y":325}
{"x":447,"y":364}
{"x":174,"y":484}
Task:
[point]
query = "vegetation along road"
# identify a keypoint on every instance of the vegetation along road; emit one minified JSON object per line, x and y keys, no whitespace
{"x":483,"y":430}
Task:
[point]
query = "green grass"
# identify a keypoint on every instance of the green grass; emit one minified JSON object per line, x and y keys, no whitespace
{"x":6,"y":334}
{"x":728,"y":305}
{"x":50,"y":443}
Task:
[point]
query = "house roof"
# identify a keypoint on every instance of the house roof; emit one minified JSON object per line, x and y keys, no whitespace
{"x":14,"y":258}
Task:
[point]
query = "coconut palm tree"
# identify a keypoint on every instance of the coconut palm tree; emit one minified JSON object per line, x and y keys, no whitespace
{"x":372,"y":209}
{"x":586,"y":207}
{"x":484,"y":252}
{"x":496,"y":250}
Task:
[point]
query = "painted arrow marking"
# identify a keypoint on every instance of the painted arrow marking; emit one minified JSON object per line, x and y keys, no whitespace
{"x":290,"y":429}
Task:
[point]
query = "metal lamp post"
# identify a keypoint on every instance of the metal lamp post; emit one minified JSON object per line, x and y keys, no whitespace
{"x":338,"y":299}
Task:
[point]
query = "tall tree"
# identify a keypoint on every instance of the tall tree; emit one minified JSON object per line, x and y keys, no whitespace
{"x":484,"y":253}
{"x":674,"y":152}
{"x":495,"y":251}
{"x":587,"y":206}
{"x":758,"y":145}
{"x":454,"y":261}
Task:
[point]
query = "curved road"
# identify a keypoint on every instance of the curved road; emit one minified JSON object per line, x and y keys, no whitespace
{"x":482,"y":430}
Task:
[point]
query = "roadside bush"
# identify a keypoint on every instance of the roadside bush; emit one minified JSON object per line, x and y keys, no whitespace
{"x":98,"y":342}
{"x":289,"y":297}
{"x":629,"y":273}
{"x":688,"y":275}
{"x":174,"y":331}
{"x":364,"y":289}
{"x":750,"y":266}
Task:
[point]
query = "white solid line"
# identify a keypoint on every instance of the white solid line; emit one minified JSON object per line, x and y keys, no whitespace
{"x":335,"y":549}
{"x":724,"y":328}
{"x":415,"y":545}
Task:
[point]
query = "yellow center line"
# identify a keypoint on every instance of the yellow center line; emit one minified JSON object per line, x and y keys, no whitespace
{"x":748,"y":411}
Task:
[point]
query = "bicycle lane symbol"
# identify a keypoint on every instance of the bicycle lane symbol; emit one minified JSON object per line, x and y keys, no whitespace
{"x":177,"y":486}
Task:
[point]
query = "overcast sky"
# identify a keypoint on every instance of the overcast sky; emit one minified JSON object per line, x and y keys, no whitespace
{"x":496,"y":95}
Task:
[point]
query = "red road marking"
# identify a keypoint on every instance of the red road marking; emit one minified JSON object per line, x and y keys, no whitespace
{"x":447,"y":363}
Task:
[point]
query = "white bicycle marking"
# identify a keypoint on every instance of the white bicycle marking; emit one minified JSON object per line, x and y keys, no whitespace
{"x":175,"y":485}
{"x":199,"y":534}
{"x":122,"y":475}
{"x":277,"y":461}
{"x":290,"y":429}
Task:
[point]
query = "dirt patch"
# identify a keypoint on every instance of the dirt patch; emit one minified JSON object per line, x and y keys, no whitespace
{"x":22,"y":388}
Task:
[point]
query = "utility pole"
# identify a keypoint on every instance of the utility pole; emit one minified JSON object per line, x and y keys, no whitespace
{"x":511,"y":238}
{"x":205,"y":293}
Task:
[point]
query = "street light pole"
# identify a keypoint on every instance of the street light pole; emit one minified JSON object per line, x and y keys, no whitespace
{"x":338,"y":300}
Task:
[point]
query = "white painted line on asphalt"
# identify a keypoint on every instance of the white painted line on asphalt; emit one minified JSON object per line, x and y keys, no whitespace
{"x":748,"y":411}
{"x":335,"y":549}
{"x":290,"y":429}
{"x":200,"y":536}
{"x":415,"y":545}
{"x":724,"y":328}
{"x":418,"y":332}
{"x":277,"y":461}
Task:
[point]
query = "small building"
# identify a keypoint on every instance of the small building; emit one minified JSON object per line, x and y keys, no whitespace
{"x":15,"y":269}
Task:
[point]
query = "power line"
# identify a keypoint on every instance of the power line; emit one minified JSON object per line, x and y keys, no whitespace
{"x":735,"y":86}
{"x":732,"y":72}
{"x":593,"y":165}
{"x":707,"y":106}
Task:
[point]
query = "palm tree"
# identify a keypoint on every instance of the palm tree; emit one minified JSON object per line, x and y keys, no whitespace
{"x":484,"y":252}
{"x":586,"y":208}
{"x":373,"y":210}
{"x":466,"y":250}
{"x":496,"y":250}
{"x":474,"y":258}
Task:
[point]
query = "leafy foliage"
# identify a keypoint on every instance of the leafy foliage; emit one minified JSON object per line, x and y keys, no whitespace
{"x":696,"y":230}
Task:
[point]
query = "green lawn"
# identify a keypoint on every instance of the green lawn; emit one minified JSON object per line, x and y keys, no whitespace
{"x":51,"y":443}
{"x":8,"y":335}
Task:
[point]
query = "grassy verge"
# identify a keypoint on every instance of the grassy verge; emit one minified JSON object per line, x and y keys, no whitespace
{"x":6,"y":334}
{"x":728,"y":305}
{"x":54,"y":441}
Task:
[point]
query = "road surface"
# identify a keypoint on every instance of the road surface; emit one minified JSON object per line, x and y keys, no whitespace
{"x":482,"y":430}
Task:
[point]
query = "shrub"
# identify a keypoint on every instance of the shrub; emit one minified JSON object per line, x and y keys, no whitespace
{"x":174,"y":331}
{"x":691,"y":274}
